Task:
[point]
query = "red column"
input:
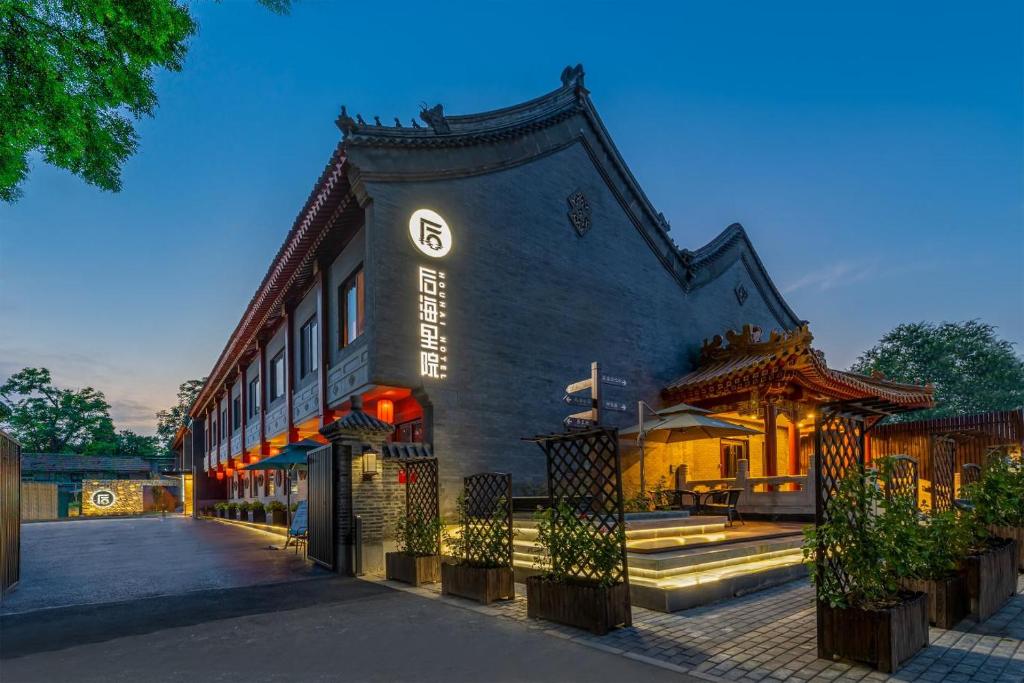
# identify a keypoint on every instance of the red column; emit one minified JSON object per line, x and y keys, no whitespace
{"x":264,"y":448}
{"x":771,"y":445}
{"x":326,"y":415}
{"x":289,"y":369}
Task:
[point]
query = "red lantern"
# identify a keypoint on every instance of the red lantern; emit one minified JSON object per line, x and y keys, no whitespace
{"x":386,"y":410}
{"x":220,"y":476}
{"x":401,"y":476}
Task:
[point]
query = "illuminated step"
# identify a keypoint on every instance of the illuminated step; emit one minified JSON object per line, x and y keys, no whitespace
{"x":686,"y":560}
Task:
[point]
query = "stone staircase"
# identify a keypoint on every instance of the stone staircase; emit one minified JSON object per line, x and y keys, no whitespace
{"x":677,"y":562}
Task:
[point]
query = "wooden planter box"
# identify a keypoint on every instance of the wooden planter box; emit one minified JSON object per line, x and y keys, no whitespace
{"x":278,"y":517}
{"x":991,"y":578}
{"x":412,"y":569}
{"x":258,"y":516}
{"x":222,"y":513}
{"x":239,"y":514}
{"x":595,"y":608}
{"x":485,"y":585}
{"x":948,"y":602}
{"x":882,"y":638}
{"x":1014,"y":533}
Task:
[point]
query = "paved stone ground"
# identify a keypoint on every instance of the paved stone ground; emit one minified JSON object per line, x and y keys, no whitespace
{"x":770,"y":636}
{"x":91,"y":561}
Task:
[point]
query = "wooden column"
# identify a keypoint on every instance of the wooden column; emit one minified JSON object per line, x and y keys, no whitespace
{"x":771,"y":446}
{"x":326,"y":415}
{"x":229,"y":427}
{"x":794,"y":450}
{"x":264,"y":447}
{"x":289,"y":374}
{"x":243,"y":400}
{"x":867,"y":449}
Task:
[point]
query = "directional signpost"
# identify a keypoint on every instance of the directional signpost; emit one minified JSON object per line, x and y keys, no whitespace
{"x":594,"y":402}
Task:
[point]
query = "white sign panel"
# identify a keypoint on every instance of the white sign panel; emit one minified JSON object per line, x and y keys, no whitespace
{"x":430,"y":233}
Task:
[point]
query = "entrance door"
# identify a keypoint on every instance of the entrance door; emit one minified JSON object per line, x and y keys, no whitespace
{"x":320,"y":507}
{"x":732,"y":452}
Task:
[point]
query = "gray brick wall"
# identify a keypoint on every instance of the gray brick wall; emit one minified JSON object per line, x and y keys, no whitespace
{"x":530,"y":305}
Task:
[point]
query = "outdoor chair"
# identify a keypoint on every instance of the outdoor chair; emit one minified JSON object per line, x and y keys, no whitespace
{"x":298,"y":532}
{"x":722,"y":502}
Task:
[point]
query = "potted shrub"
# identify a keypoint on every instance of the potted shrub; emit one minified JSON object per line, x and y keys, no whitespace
{"x":482,"y":570}
{"x":945,"y":540}
{"x":277,"y":513}
{"x":997,"y":499}
{"x":560,"y":593}
{"x":232,"y":510}
{"x":221,"y":508}
{"x":257,"y":513}
{"x":863,"y":613}
{"x":418,"y":559}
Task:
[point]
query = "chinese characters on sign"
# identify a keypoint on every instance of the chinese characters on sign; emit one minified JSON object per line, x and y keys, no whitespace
{"x":432,"y":236}
{"x":433,"y":314}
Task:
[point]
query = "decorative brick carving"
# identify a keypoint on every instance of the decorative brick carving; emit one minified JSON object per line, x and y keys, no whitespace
{"x":741,"y":293}
{"x":579,"y":212}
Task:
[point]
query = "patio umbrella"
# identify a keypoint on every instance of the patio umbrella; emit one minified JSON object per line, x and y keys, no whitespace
{"x":291,"y":456}
{"x":682,"y":422}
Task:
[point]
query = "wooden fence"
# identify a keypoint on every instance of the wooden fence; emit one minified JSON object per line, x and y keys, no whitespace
{"x":973,"y":434}
{"x":10,"y":512}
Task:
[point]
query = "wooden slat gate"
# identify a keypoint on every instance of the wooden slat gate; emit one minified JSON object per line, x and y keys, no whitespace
{"x":320,"y":481}
{"x":10,"y":512}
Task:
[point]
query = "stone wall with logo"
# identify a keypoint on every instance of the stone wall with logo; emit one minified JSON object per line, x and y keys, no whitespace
{"x":112,"y":497}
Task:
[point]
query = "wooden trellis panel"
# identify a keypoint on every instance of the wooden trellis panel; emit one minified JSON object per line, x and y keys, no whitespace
{"x":585,"y":471}
{"x":943,"y":455}
{"x":839,"y":448}
{"x":421,"y":499}
{"x":488,"y":515}
{"x":902,"y":479}
{"x":971,"y":474}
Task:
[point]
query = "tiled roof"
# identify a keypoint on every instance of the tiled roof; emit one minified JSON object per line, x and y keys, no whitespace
{"x":72,"y":462}
{"x":743,"y":362}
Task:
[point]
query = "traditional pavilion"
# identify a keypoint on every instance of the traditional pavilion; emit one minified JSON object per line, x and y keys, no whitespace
{"x":773,"y":383}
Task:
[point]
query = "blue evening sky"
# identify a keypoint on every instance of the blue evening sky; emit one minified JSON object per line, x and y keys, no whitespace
{"x":874,"y":154}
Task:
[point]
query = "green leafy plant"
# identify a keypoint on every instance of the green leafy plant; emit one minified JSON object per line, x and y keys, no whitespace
{"x":876,"y":541}
{"x":638,"y":501}
{"x":295,"y":506}
{"x":944,"y":541}
{"x":570,"y":541}
{"x":998,"y":496}
{"x":221,"y":506}
{"x":419,"y":535}
{"x":483,"y":540}
{"x":274,"y":506}
{"x":233,"y":507}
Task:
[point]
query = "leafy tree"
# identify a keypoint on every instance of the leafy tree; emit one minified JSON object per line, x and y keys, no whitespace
{"x":76,"y":74}
{"x":46,"y":418}
{"x":168,"y":421}
{"x":972,"y":369}
{"x":130,"y":444}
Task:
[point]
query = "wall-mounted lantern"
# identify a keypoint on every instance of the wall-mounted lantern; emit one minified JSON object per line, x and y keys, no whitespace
{"x":386,"y":410}
{"x":371,"y":461}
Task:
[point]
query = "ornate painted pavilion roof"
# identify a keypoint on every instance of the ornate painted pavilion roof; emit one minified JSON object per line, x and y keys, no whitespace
{"x":782,"y":364}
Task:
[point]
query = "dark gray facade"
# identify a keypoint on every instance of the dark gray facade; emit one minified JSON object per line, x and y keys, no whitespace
{"x":558,"y":259}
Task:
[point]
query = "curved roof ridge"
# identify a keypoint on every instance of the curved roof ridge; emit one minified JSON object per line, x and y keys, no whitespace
{"x":719,"y":246}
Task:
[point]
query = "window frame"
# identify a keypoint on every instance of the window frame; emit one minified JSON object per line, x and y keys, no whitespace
{"x":309,"y":347}
{"x":744,"y":453}
{"x":236,"y":412}
{"x":276,"y":391}
{"x":253,"y":402}
{"x":357,"y":279}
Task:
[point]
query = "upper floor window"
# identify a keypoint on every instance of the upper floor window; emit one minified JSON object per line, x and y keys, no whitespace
{"x":253,"y":402}
{"x":351,"y":316}
{"x":277,"y":377}
{"x":236,"y":413}
{"x":309,"y":347}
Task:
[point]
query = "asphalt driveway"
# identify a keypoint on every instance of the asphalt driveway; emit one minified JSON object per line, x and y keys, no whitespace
{"x":85,"y":562}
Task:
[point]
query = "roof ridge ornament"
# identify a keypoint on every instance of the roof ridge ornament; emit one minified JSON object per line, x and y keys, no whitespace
{"x":434,"y":116}
{"x":572,"y":76}
{"x":345,"y":123}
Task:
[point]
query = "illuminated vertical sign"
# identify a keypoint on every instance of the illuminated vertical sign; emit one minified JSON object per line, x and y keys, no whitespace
{"x":432,"y":236}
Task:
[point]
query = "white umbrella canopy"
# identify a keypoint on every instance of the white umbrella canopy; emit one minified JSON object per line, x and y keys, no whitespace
{"x":686,"y":423}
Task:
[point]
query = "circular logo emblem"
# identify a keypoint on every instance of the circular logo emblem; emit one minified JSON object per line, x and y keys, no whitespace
{"x":430,"y":233}
{"x":103,"y":498}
